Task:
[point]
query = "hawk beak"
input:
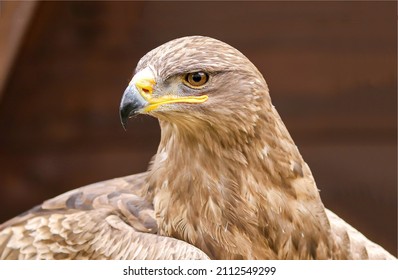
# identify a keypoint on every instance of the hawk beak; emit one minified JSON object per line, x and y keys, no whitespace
{"x":134,"y":99}
{"x":139,"y":98}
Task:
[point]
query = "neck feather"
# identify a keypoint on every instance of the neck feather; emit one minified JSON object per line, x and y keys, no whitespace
{"x":245,"y":195}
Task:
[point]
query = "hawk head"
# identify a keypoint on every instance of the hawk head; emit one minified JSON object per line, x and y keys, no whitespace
{"x":196,"y":81}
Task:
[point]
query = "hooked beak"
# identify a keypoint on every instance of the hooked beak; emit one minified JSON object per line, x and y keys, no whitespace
{"x":139,"y":98}
{"x":133,"y":100}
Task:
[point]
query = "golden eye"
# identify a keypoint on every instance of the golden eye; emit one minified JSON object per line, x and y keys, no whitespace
{"x":196,"y":79}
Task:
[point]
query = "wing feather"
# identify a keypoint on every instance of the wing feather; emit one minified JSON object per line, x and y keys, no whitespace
{"x":106,"y":220}
{"x":352,"y":243}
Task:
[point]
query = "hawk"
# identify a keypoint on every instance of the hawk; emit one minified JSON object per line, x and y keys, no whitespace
{"x":227,"y":181}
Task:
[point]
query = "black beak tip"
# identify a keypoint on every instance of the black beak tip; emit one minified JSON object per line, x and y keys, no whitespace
{"x":131,"y":105}
{"x":124,"y":124}
{"x":125,"y":114}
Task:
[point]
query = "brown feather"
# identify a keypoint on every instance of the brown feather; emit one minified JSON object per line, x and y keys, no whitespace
{"x":106,"y":220}
{"x":227,"y":182}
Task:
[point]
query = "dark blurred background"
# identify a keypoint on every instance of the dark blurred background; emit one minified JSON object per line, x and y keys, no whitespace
{"x":331,"y":68}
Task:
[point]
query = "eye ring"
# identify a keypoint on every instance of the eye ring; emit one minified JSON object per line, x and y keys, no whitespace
{"x":196,"y":79}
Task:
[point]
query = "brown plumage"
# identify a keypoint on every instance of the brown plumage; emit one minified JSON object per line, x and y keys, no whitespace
{"x":227,"y":181}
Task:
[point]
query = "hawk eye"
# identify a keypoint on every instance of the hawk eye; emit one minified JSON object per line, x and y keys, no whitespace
{"x":196,"y":79}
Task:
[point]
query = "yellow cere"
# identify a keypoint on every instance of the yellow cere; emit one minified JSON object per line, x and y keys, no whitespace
{"x":145,"y":82}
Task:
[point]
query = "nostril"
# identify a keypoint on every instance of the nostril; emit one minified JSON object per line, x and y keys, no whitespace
{"x":145,"y":90}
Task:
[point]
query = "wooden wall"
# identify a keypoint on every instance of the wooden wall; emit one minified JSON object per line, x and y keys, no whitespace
{"x":331,"y":68}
